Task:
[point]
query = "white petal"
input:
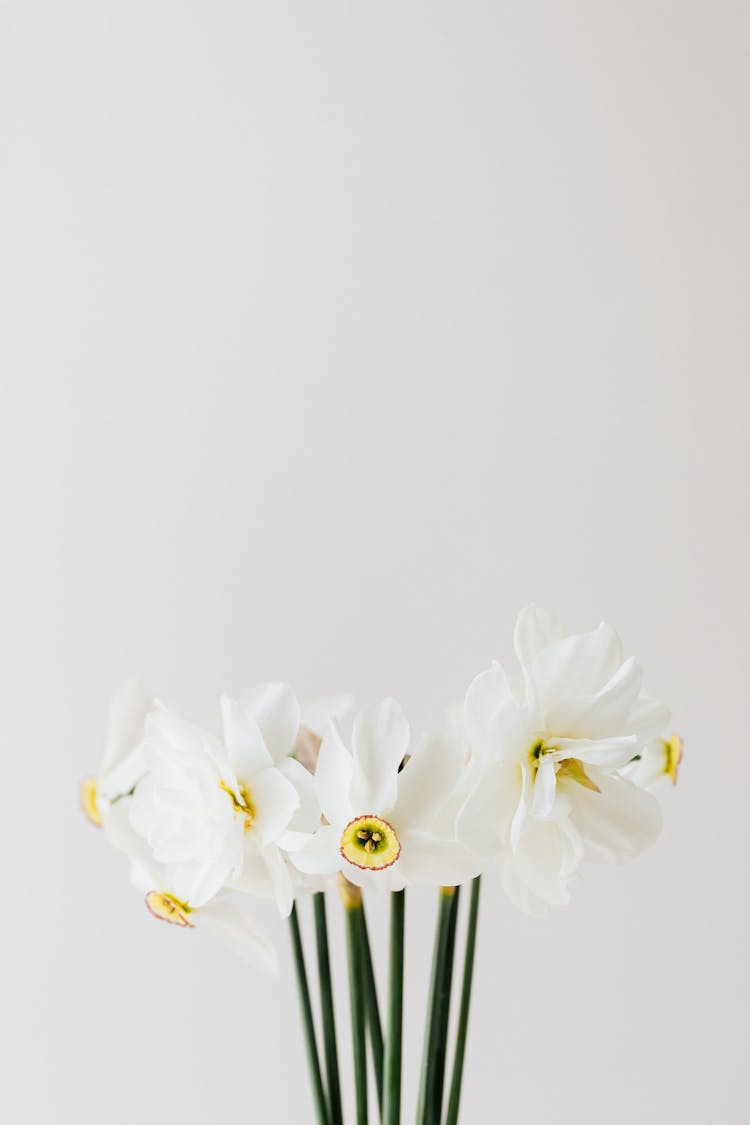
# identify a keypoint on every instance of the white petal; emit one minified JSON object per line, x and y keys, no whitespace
{"x":333,"y":778}
{"x":648,"y":718}
{"x":281,"y":880}
{"x":276,"y":711}
{"x":317,"y":714}
{"x":604,"y":713}
{"x":244,"y":740}
{"x":545,"y":859}
{"x":483,"y":823}
{"x":617,"y":822}
{"x":426,"y":782}
{"x":194,"y":883}
{"x":545,"y":784}
{"x":240,"y":935}
{"x":520,"y":815}
{"x":127,"y":716}
{"x":535,"y":630}
{"x":321,"y":855}
{"x":380,"y":739}
{"x":427,"y":860}
{"x":275,"y":801}
{"x":609,"y":753}
{"x":487,"y":694}
{"x":307,"y":815}
{"x":579,"y":665}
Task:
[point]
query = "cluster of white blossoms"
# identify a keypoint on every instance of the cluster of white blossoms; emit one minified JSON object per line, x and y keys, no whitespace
{"x":540,"y":775}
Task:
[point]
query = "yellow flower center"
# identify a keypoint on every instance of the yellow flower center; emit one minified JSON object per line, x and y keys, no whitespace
{"x":241,"y":803}
{"x":87,"y":796}
{"x":167,"y":908}
{"x":571,"y":768}
{"x":370,"y":843}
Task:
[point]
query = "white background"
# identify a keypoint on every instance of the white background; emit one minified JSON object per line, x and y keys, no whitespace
{"x":332,"y":334}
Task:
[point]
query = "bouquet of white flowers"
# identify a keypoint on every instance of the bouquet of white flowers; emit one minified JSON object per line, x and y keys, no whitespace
{"x":534,"y":778}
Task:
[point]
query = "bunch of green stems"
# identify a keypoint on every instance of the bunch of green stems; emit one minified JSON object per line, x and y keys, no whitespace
{"x":436,"y":1106}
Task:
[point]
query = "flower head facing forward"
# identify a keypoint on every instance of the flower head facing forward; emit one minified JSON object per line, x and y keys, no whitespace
{"x":381,"y":807}
{"x":553,"y":753}
{"x":225,"y":803}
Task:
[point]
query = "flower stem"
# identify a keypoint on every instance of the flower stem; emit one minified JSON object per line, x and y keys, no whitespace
{"x":436,"y":1032}
{"x":392,"y":1082}
{"x":321,"y":1110}
{"x":329,"y":1019}
{"x":463,"y":1017}
{"x":352,"y":899}
{"x":373,"y":1011}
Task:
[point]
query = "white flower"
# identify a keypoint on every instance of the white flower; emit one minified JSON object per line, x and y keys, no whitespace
{"x":122,"y":765}
{"x":227,"y":804}
{"x":661,"y":757}
{"x":189,"y":895}
{"x":547,"y":760}
{"x":381,"y":815}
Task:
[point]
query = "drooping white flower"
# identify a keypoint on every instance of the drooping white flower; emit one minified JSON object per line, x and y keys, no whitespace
{"x":226,"y":803}
{"x":122,"y":765}
{"x":547,"y":759}
{"x":189,"y":895}
{"x":382,"y":810}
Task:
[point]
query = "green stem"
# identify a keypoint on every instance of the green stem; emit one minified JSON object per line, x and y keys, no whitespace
{"x":444,"y":1001}
{"x":463,"y":1017}
{"x":392,"y":1081}
{"x":433,"y":1058}
{"x":373,"y":1011}
{"x":321,"y":1111}
{"x":353,"y":906}
{"x":329,"y":1018}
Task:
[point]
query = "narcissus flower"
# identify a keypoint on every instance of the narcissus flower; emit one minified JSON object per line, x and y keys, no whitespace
{"x":547,"y":759}
{"x":122,"y":765}
{"x":661,"y":757}
{"x":381,"y":807}
{"x":190,"y":896}
{"x":226,"y":803}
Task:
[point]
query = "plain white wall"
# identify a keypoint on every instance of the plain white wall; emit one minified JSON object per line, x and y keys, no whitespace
{"x":332,"y":334}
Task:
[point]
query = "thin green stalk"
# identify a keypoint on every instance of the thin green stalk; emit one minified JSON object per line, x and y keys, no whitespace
{"x":392,"y":1081}
{"x":433,"y":1057}
{"x":329,"y":1019}
{"x":352,"y":899}
{"x":444,"y":1002}
{"x":373,"y":1010}
{"x":313,"y":1062}
{"x":463,"y":1016}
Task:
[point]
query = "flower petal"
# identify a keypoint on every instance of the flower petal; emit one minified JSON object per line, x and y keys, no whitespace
{"x":237,"y":932}
{"x":618,"y":822}
{"x":333,"y":778}
{"x":535,"y":630}
{"x":380,"y":739}
{"x":426,"y":782}
{"x":483,"y":823}
{"x":274,"y":800}
{"x":321,"y":855}
{"x":244,"y":740}
{"x":486,"y":695}
{"x":578,"y":665}
{"x":276,"y":712}
{"x":427,"y":860}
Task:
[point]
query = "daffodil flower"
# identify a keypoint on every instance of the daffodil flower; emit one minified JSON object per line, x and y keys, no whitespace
{"x":381,"y":807}
{"x":226,"y":803}
{"x":547,"y":759}
{"x":190,"y":896}
{"x":122,"y":765}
